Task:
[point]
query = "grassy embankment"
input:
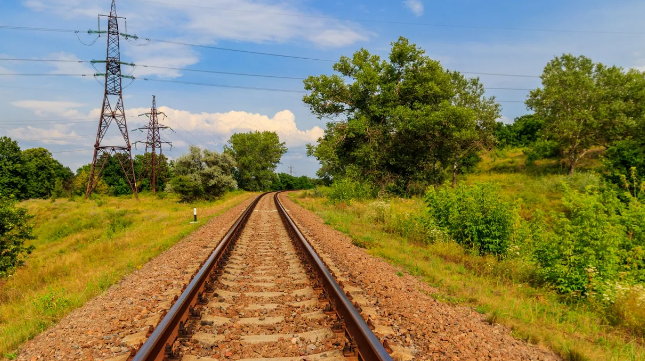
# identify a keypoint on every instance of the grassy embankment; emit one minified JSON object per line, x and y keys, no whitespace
{"x":500,"y":289}
{"x":84,"y":247}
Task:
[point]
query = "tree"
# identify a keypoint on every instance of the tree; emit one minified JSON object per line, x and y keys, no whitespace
{"x":523,"y":132}
{"x":14,"y":231}
{"x":41,"y":173}
{"x":202,"y":173}
{"x":257,"y":154}
{"x":399,"y":122}
{"x":11,"y":168}
{"x":584,"y":105}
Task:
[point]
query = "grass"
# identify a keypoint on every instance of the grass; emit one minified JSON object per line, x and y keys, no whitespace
{"x":499,"y":290}
{"x":85,"y":246}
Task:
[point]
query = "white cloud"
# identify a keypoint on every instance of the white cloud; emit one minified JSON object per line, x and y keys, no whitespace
{"x":211,"y":128}
{"x":416,"y":6}
{"x":44,"y":108}
{"x":218,"y":127}
{"x":207,"y":21}
{"x":58,"y":134}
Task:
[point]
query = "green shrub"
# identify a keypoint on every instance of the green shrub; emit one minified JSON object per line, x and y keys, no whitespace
{"x":346,"y":190}
{"x":15,"y":230}
{"x":475,"y":216}
{"x":581,"y":250}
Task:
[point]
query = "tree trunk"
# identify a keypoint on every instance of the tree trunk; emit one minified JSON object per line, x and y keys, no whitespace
{"x":572,"y":166}
{"x":454,"y":175}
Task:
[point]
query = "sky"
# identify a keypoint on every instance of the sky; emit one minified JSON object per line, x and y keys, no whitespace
{"x":61,"y":113}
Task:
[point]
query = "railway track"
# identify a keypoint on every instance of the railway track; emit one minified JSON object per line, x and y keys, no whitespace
{"x":263,"y":294}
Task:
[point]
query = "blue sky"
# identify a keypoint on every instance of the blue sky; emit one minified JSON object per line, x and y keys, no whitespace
{"x":61,"y":113}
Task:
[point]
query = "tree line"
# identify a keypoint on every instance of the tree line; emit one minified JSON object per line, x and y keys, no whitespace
{"x":403,"y":123}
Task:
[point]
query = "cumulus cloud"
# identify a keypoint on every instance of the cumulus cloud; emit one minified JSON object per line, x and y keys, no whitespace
{"x":216,"y":128}
{"x":210,"y":128}
{"x":416,"y":6}
{"x":57,"y":134}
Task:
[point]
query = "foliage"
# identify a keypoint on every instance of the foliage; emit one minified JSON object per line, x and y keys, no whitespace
{"x":624,"y":158}
{"x":585,"y":104}
{"x":346,"y":190}
{"x":542,"y":149}
{"x":475,"y":216}
{"x":202,"y":173}
{"x":596,"y":242}
{"x":15,"y":230}
{"x":42,"y":172}
{"x":11,"y":168}
{"x":257,"y":154}
{"x":31,"y":173}
{"x":523,"y":132}
{"x":284,"y":182}
{"x":397,"y":122}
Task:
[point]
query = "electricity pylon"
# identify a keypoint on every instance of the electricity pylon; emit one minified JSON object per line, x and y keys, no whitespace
{"x":153,"y":141}
{"x":113,"y":90}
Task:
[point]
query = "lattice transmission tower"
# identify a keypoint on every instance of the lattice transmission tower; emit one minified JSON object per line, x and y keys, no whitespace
{"x":152,"y":163}
{"x":113,"y":91}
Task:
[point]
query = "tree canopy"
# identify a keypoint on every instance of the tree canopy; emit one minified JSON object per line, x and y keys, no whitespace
{"x":202,"y":173}
{"x":585,"y":104}
{"x":31,"y":173}
{"x":257,"y":155}
{"x":398,"y":122}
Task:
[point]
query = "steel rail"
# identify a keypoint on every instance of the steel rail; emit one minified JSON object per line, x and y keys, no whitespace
{"x":165,"y":334}
{"x":368,"y":345}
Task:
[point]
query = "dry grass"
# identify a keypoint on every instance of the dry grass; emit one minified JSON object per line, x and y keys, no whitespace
{"x":498,"y":289}
{"x":83,"y":247}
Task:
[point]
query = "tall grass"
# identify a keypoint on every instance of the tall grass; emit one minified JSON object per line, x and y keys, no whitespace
{"x":84,"y":247}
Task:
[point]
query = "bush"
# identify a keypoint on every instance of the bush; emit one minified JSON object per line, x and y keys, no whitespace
{"x":582,"y":248}
{"x":202,"y":173}
{"x":346,"y":190}
{"x":14,"y":231}
{"x":475,"y":217}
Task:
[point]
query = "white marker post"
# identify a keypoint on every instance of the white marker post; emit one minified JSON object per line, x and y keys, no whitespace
{"x":195,"y":215}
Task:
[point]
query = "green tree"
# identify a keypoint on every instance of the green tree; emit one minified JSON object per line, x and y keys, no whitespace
{"x":584,"y":104}
{"x":42,"y":172}
{"x":397,"y":122}
{"x":285,"y":182}
{"x":202,"y":173}
{"x":257,"y":154}
{"x":12,"y":172}
{"x":15,"y":230}
{"x":523,"y":132}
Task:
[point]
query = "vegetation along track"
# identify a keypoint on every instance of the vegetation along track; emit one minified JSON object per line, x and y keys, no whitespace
{"x":264,"y":294}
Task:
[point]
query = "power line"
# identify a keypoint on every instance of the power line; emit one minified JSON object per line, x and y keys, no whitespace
{"x":404,"y":22}
{"x":7,"y":27}
{"x":240,"y":74}
{"x":170,"y":81}
{"x":223,"y":86}
{"x":235,"y":50}
{"x":176,"y":43}
{"x":162,"y":67}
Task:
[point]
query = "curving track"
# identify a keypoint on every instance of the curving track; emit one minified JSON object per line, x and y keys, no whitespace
{"x":263,"y":294}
